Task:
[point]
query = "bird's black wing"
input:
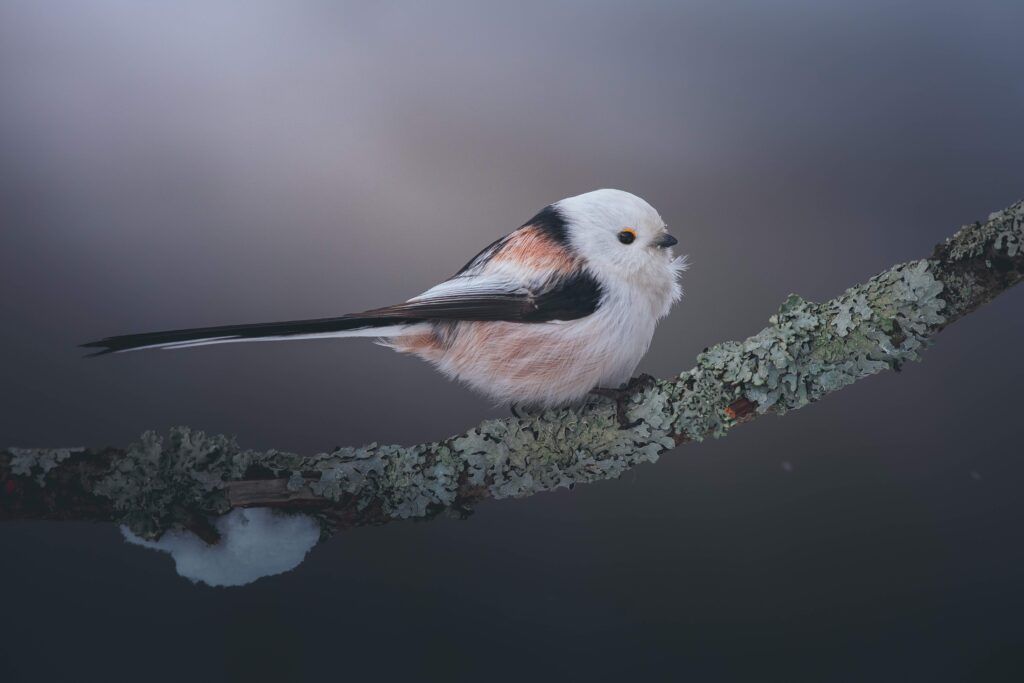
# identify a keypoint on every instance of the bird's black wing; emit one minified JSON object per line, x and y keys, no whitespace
{"x":567,"y":298}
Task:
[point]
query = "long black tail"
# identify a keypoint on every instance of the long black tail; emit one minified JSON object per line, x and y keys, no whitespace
{"x":378,"y":322}
{"x":344,"y":326}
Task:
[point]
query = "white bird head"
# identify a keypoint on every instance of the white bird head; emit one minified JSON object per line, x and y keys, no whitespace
{"x":618,"y":233}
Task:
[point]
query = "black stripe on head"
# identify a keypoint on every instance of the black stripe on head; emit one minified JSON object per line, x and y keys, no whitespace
{"x":551,"y":222}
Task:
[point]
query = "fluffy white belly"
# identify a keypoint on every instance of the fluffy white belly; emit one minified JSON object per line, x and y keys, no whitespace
{"x":542,"y":364}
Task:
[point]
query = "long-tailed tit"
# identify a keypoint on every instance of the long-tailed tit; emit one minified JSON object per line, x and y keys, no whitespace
{"x":565,"y":304}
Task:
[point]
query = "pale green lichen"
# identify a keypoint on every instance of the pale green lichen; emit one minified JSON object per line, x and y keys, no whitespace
{"x":812,"y":349}
{"x":507,"y":458}
{"x":1010,"y":242}
{"x":1004,"y":231}
{"x":556,"y":449}
{"x":37,"y":462}
{"x":157,"y":477}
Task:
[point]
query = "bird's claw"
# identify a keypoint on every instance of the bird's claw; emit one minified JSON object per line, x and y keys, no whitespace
{"x":621,"y":397}
{"x":519,"y":412}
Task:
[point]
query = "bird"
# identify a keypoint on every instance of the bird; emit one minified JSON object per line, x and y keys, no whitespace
{"x":562,"y":306}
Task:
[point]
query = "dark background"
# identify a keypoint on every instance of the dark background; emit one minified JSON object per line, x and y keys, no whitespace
{"x":166,"y":165}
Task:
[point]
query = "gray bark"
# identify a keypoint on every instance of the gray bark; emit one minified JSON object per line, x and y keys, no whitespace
{"x":807,"y":351}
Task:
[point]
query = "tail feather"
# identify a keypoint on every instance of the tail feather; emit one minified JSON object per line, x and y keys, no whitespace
{"x":344,"y":326}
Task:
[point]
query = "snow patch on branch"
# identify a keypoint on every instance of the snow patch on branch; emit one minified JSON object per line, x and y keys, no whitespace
{"x":255,"y":542}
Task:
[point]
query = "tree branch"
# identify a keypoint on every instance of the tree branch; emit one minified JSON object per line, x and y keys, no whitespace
{"x":807,"y":351}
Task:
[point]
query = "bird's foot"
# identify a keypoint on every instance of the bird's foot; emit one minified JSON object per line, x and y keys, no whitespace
{"x":622,"y":395}
{"x":520,"y":412}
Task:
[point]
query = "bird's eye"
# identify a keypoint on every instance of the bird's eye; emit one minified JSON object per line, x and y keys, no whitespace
{"x":627,"y":236}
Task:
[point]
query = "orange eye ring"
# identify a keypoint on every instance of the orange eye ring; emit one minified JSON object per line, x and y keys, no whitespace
{"x":627,"y":235}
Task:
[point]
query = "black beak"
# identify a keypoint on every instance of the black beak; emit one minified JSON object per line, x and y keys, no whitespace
{"x":665,"y":240}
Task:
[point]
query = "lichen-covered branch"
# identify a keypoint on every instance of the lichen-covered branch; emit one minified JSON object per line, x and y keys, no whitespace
{"x":808,"y":350}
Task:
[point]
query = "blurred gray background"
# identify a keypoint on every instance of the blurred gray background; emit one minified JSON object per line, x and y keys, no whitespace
{"x":173,"y":165}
